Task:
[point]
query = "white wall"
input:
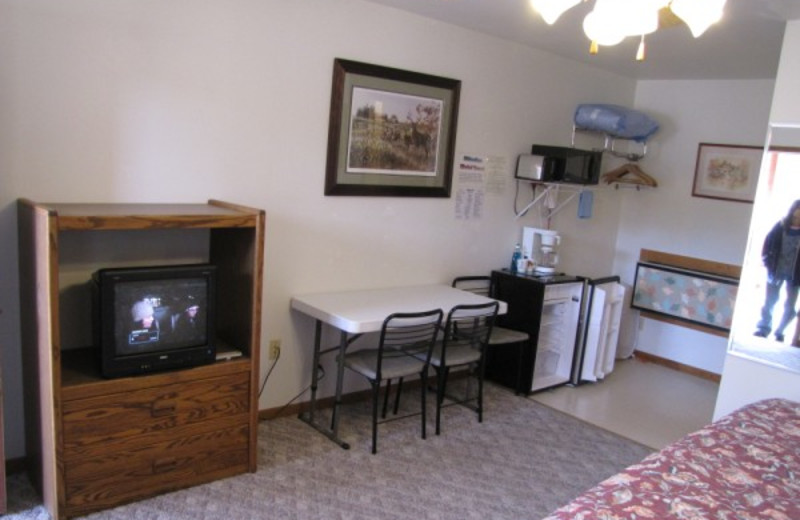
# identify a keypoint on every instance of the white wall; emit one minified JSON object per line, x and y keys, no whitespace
{"x":785,"y":107}
{"x":746,"y":380}
{"x":184,"y":101}
{"x":669,"y":218}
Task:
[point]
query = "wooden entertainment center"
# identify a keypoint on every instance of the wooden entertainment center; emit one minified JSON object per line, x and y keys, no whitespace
{"x":95,"y":443}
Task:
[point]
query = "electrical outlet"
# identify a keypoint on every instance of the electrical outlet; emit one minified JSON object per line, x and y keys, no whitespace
{"x":274,"y":349}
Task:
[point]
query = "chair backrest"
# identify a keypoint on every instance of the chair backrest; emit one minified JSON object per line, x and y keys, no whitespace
{"x":475,"y":284}
{"x":469,"y":326}
{"x":409,"y":334}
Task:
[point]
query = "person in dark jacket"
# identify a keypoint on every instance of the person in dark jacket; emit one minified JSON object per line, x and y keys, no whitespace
{"x":780,"y":255}
{"x":188,"y":325}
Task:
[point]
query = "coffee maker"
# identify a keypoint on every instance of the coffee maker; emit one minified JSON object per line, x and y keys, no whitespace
{"x":542,"y":245}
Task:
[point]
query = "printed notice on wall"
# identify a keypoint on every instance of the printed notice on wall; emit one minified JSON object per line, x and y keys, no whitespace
{"x":471,"y":187}
{"x":477,"y":176}
{"x":496,"y":174}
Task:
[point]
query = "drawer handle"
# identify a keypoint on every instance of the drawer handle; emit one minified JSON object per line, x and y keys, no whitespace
{"x":162,"y":408}
{"x":165,"y":465}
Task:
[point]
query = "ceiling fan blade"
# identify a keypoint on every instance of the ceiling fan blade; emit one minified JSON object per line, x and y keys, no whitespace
{"x":666,"y":18}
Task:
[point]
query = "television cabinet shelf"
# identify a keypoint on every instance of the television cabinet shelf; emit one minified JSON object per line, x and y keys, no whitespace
{"x":95,"y":443}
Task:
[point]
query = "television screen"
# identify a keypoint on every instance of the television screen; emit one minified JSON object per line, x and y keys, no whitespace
{"x":158,"y":314}
{"x":155,"y":318}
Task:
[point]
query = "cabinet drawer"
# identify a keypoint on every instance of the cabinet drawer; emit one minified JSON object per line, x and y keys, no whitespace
{"x":119,"y":476}
{"x":152,"y":414}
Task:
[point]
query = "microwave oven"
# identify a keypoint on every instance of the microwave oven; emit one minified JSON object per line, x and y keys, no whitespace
{"x":559,"y":164}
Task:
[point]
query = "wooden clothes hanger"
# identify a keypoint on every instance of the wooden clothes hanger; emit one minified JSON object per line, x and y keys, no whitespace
{"x":637,"y":175}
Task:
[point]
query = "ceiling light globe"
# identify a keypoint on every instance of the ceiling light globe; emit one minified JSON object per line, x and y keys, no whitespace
{"x":551,"y":10}
{"x":639,"y":17}
{"x":602,"y":29}
{"x":699,"y":15}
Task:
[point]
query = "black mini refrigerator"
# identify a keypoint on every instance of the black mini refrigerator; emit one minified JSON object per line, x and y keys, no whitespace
{"x":550,"y":309}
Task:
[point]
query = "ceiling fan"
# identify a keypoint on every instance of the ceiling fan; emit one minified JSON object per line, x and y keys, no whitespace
{"x":611,"y":21}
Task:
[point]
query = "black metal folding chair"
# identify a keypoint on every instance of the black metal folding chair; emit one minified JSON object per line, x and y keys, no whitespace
{"x":404,"y":349}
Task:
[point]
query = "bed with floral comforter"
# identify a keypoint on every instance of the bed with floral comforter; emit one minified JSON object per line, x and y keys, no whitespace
{"x":744,"y":466}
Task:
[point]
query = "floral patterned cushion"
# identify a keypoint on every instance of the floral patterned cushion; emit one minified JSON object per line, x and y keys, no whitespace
{"x":745,"y":466}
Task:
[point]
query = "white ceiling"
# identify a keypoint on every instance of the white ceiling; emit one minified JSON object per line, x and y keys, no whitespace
{"x":745,"y":44}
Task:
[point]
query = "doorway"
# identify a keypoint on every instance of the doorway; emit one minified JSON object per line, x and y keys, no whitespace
{"x":778,"y":188}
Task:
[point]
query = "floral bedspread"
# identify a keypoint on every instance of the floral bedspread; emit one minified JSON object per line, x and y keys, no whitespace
{"x":745,"y":466}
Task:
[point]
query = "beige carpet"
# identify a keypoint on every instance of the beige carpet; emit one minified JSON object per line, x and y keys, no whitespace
{"x":523,"y":461}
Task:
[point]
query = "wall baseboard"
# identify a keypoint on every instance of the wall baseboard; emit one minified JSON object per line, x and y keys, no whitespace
{"x":680,"y":367}
{"x":327,"y":402}
{"x":322,"y":403}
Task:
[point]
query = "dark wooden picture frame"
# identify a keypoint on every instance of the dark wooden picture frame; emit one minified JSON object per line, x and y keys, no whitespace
{"x":391,"y":132}
{"x":727,"y":172}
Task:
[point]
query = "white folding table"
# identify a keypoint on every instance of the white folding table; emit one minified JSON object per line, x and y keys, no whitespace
{"x":354,"y":313}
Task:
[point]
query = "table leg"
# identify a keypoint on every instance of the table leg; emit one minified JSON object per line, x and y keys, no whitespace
{"x":343,"y":343}
{"x":315,"y":370}
{"x":309,"y":417}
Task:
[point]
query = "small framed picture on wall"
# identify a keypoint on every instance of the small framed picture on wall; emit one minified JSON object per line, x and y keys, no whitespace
{"x":727,"y":172}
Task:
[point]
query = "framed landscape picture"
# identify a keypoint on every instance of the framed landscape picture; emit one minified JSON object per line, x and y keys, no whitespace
{"x":391,"y":132}
{"x":727,"y":172}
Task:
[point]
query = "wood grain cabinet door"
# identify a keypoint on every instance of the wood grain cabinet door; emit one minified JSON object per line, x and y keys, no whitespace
{"x":130,"y":445}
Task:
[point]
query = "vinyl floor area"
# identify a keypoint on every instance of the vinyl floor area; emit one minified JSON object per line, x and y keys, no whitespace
{"x":645,"y":402}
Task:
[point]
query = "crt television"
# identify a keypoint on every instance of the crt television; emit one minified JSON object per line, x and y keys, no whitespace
{"x":148,"y":319}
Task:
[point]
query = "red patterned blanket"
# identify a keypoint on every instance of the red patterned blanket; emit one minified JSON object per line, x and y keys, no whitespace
{"x":745,"y":466}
